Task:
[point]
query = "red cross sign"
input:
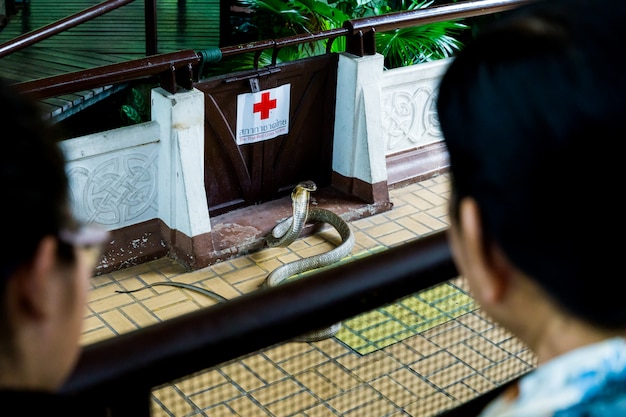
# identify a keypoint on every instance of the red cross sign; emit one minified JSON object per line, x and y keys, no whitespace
{"x":264,"y":106}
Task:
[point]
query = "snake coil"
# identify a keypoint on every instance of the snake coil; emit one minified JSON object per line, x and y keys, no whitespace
{"x":287,"y":231}
{"x":282,"y":235}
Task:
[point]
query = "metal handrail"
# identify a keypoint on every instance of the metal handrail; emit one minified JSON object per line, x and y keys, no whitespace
{"x":185,"y":64}
{"x":454,"y":11}
{"x":62,"y":25}
{"x":362,"y":31}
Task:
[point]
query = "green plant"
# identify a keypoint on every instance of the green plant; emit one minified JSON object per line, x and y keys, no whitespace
{"x":274,"y":19}
{"x":136,"y":110}
{"x":417,"y":44}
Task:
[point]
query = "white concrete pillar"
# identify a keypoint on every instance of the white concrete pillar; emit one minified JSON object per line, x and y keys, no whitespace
{"x":182,"y":202}
{"x":358,"y":150}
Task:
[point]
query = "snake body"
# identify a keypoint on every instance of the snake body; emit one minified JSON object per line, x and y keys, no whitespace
{"x":287,"y":231}
{"x":191,"y":287}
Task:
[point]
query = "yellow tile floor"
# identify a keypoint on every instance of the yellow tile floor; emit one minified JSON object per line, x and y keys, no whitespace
{"x":426,"y":353}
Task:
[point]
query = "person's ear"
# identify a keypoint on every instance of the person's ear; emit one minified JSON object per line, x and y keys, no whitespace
{"x":34,"y":280}
{"x":488,"y":267}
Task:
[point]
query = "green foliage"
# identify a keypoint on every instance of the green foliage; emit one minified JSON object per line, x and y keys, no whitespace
{"x":418,"y":44}
{"x":275,"y":19}
{"x":136,"y":109}
{"x":129,"y":114}
{"x":279,"y":18}
{"x":414,"y":45}
{"x":358,"y":9}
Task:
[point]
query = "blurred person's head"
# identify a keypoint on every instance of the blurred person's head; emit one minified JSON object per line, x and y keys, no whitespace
{"x":47,"y":259}
{"x":533,"y":112}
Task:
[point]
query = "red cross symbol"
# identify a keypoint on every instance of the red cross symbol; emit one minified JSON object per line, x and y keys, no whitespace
{"x":264,"y":106}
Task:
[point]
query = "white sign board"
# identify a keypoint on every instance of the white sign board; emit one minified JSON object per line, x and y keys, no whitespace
{"x":263,"y":115}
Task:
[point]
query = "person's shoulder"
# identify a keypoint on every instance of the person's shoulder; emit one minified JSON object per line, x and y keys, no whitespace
{"x":609,"y":401}
{"x":587,"y":382}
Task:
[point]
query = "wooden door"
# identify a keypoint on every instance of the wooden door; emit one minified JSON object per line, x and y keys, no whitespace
{"x":242,"y":175}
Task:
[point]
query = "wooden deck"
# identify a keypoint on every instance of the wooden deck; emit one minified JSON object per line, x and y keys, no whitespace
{"x":112,"y":38}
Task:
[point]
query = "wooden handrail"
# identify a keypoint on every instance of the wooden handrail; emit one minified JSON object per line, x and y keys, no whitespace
{"x":165,"y":64}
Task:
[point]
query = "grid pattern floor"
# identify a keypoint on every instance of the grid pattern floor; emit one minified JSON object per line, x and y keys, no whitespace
{"x":424,"y":354}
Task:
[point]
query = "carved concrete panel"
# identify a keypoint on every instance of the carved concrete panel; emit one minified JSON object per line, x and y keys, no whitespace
{"x":114,"y":176}
{"x":115,"y":189}
{"x":408,"y":105}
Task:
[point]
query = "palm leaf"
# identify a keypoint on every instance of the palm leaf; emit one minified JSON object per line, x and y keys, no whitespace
{"x":129,"y":114}
{"x":414,"y":45}
{"x":139,"y":103}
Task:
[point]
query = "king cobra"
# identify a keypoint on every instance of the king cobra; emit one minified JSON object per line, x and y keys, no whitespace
{"x":287,"y":231}
{"x":282,"y":235}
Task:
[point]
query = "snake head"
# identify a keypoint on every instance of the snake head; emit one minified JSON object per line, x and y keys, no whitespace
{"x":307,"y":185}
{"x":303,"y":186}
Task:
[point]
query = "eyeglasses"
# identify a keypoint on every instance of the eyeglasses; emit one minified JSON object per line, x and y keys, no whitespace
{"x":90,"y":238}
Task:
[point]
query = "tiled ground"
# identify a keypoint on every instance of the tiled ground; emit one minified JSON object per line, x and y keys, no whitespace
{"x":424,"y":354}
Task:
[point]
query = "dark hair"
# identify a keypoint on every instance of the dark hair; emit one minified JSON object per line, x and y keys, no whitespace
{"x":33,"y":179}
{"x":533,"y":111}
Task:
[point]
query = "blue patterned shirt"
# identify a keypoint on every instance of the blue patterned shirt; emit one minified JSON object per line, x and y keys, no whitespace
{"x":586,"y":382}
